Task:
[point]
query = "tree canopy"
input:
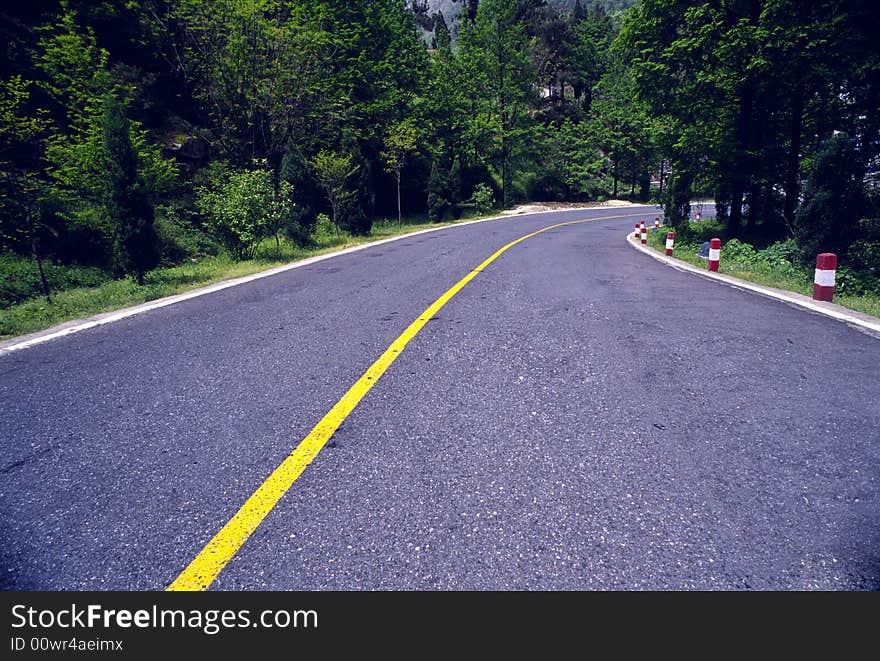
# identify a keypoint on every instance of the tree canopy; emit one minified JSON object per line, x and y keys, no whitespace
{"x":127,"y":129}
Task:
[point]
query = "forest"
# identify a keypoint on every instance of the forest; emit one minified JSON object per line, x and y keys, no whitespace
{"x":141,"y":135}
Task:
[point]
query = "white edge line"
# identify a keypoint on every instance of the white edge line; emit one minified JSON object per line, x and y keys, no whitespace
{"x":109,"y":317}
{"x":744,"y":284}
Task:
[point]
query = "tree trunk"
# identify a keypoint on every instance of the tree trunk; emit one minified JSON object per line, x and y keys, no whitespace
{"x":794,"y":159}
{"x":399,"y":210}
{"x":736,"y":203}
{"x":505,"y":174}
{"x":743,"y":162}
{"x":741,"y":166}
{"x":615,"y":178}
{"x":335,"y":221}
{"x":756,"y":203}
{"x":43,"y":282}
{"x":662,"y":173}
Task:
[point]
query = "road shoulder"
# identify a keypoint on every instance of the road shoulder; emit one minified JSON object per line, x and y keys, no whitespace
{"x":858,"y":320}
{"x":74,"y":326}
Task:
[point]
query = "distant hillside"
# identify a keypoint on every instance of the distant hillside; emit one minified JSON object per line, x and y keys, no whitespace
{"x":451,"y":9}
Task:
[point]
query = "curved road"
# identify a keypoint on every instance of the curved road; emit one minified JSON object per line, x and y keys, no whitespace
{"x":578,"y":416}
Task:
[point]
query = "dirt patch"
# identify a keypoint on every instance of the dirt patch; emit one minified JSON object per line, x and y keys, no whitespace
{"x":538,"y":207}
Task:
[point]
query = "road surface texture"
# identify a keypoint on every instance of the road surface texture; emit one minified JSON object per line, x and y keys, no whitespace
{"x":579,"y":416}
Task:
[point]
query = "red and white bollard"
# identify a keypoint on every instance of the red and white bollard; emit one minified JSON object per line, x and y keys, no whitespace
{"x":714,"y":254}
{"x":638,"y":231}
{"x":823,"y":283}
{"x":670,"y":243}
{"x":698,"y":216}
{"x":656,"y":223}
{"x":644,"y":234}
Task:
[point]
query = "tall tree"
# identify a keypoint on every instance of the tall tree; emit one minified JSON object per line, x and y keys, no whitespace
{"x":620,"y":123}
{"x":496,"y":53}
{"x":400,"y":143}
{"x":258,"y":67}
{"x":335,"y":172}
{"x":834,"y":199}
{"x":23,"y":194}
{"x":127,"y":195}
{"x":77,"y":78}
{"x":752,"y":88}
{"x":585,"y":58}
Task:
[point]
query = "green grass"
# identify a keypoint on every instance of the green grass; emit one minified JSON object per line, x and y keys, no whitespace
{"x":80,"y":302}
{"x":741,"y":261}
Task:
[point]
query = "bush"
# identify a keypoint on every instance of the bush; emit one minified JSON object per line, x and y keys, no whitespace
{"x":437,"y":202}
{"x":323,"y":230}
{"x":677,"y":198}
{"x":737,"y":251}
{"x":783,"y":257}
{"x":846,"y":281}
{"x":305,"y":197}
{"x":244,"y":209}
{"x":864,"y":256}
{"x":780,"y":252}
{"x":483,"y":199}
{"x":354,"y":220}
{"x":180,"y":238}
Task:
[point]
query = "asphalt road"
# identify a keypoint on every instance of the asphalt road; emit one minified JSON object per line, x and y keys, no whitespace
{"x":579,"y":416}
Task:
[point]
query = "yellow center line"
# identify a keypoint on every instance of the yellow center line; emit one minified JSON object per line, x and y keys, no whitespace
{"x":205,"y":567}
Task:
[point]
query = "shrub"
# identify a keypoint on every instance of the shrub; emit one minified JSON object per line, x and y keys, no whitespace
{"x":864,"y":256}
{"x":324,"y":229}
{"x":244,"y":209}
{"x":483,"y":198}
{"x":846,"y":281}
{"x":784,"y":258}
{"x":780,"y":252}
{"x":737,"y":251}
{"x":179,"y":238}
{"x":437,"y":202}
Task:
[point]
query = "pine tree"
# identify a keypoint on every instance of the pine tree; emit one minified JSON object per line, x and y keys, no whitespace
{"x":126,"y":196}
{"x":441,"y":39}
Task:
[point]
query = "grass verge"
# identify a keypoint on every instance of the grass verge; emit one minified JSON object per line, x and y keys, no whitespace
{"x":80,"y":302}
{"x":774,"y":266}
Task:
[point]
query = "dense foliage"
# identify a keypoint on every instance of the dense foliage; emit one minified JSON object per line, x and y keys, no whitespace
{"x":151,"y":132}
{"x":755,"y":93}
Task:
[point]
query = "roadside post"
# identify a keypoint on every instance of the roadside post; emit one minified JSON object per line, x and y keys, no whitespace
{"x":714,"y":254}
{"x":826,"y":271}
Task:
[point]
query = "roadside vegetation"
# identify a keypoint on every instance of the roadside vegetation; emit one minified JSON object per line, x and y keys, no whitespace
{"x":80,"y":293}
{"x":152,"y":145}
{"x":780,"y":264}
